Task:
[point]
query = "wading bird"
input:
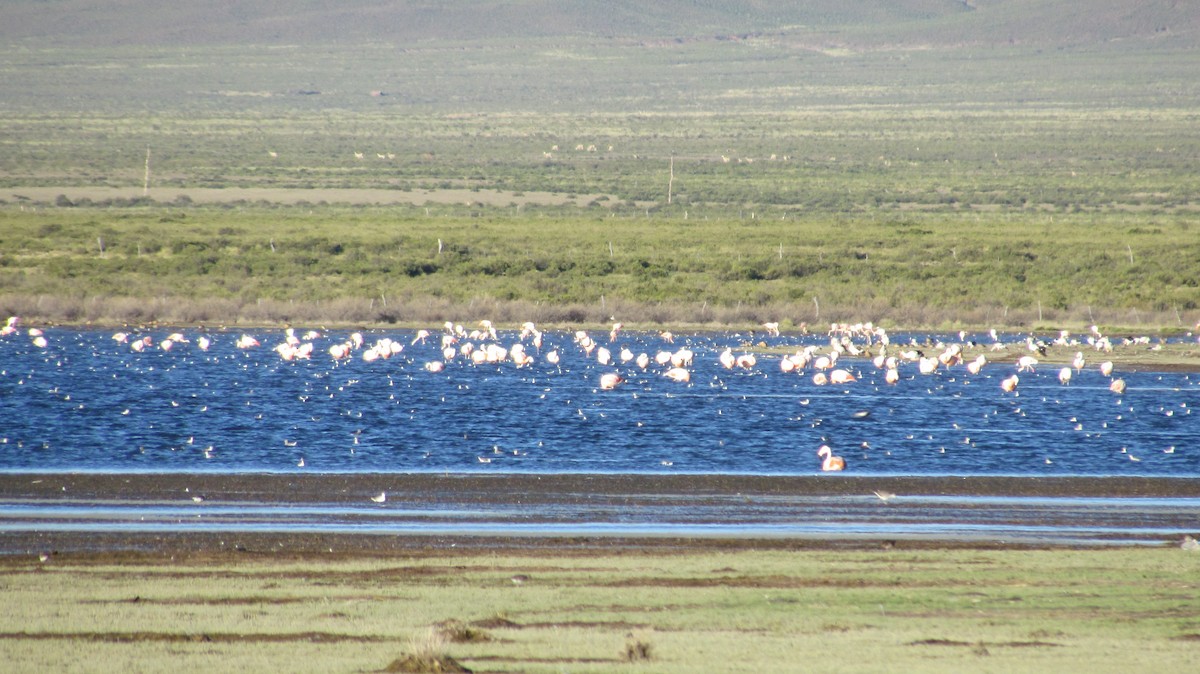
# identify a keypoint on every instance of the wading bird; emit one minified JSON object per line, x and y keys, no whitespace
{"x":831,"y":462}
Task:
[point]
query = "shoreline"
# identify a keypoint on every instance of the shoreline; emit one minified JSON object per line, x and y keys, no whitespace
{"x":285,"y":515}
{"x":302,"y":487}
{"x":1179,"y":356}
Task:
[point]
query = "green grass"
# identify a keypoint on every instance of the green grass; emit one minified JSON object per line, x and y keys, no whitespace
{"x":561,"y":264}
{"x":924,"y":611}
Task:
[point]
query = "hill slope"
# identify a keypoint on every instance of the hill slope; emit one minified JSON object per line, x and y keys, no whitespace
{"x":101,"y":23}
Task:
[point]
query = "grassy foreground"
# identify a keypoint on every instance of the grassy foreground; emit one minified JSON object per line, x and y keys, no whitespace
{"x":552,"y":610}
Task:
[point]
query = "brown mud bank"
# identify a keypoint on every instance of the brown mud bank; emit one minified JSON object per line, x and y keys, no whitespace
{"x":111,"y":515}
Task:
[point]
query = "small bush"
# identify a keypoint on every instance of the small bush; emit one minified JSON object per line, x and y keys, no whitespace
{"x":428,"y":655}
{"x":637,"y":650}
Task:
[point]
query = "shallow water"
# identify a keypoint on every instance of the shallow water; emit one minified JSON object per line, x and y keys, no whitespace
{"x":87,"y":403}
{"x":1012,"y":520}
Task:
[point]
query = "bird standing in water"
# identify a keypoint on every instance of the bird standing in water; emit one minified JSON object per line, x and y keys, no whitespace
{"x":831,"y":462}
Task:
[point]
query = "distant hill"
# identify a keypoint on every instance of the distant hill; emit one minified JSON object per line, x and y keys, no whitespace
{"x":860,"y":23}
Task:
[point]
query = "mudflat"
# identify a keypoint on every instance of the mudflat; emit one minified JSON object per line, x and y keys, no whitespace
{"x":107,"y":513}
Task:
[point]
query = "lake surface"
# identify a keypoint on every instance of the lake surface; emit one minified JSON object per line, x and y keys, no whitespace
{"x":84,"y":402}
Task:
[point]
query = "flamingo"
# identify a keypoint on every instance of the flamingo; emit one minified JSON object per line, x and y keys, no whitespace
{"x":831,"y":462}
{"x":1010,"y":384}
{"x":841,"y":376}
{"x":678,"y":374}
{"x":586,"y":343}
{"x":610,"y":381}
{"x":1106,"y":368}
{"x":495,"y":353}
{"x":1117,"y":386}
{"x":522,"y":359}
{"x":1064,"y":375}
{"x":682,"y":358}
{"x":727,"y":360}
{"x":747,"y":361}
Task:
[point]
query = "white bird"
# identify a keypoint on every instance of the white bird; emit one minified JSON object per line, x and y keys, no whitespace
{"x":678,"y":374}
{"x":381,"y":498}
{"x":610,"y":381}
{"x":831,"y":462}
{"x":841,"y":376}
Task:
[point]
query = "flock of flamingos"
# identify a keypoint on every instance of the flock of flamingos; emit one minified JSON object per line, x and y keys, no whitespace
{"x":825,"y":364}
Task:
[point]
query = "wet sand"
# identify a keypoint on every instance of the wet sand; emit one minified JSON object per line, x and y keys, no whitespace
{"x":530,"y":488}
{"x":562,"y":514}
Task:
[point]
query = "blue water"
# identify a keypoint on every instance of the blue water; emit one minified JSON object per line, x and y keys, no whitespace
{"x":86,"y":403}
